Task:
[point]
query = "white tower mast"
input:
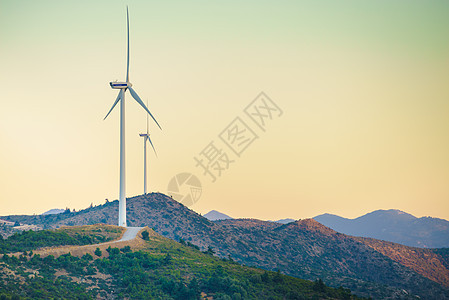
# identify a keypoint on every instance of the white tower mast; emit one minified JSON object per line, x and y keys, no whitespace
{"x":123,"y":87}
{"x":146,"y":137}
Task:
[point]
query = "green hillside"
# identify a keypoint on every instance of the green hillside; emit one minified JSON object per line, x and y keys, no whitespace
{"x":77,"y":235}
{"x":161,"y":269}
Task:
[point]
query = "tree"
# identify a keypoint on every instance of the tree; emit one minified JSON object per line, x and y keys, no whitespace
{"x":319,"y":286}
{"x":209,"y":251}
{"x":87,"y":256}
{"x":194,"y":289}
{"x":167,"y":259}
{"x":113,"y":251}
{"x":264,"y":277}
{"x":145,"y":235}
{"x":278,"y":277}
{"x":125,"y":249}
{"x":97,"y":252}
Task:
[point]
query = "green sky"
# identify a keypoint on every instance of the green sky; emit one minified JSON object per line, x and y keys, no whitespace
{"x":363,"y":86}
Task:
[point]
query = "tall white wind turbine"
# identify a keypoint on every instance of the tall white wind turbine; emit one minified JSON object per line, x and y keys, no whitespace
{"x":146,"y":137}
{"x":123,"y":87}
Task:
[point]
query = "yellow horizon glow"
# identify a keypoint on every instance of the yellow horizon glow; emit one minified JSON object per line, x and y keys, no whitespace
{"x":363,"y":87}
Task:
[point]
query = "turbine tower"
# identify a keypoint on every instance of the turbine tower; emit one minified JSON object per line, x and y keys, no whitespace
{"x":123,"y":87}
{"x":146,"y":137}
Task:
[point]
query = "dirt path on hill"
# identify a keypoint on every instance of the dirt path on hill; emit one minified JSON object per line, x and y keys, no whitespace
{"x":130,"y":233}
{"x":129,"y":238}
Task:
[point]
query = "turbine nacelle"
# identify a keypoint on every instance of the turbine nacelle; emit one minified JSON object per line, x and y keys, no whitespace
{"x":120,"y":85}
{"x":146,"y":137}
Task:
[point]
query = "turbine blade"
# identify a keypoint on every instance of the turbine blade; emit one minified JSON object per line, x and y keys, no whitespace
{"x":147,"y":121}
{"x":127,"y":60}
{"x":115,"y":103}
{"x":151,"y":144}
{"x":137,"y":98}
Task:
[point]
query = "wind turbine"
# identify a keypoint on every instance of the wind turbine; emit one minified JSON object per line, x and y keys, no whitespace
{"x":123,"y":87}
{"x":146,"y":137}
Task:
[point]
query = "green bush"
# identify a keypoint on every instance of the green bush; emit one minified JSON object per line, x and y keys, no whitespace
{"x":145,"y":235}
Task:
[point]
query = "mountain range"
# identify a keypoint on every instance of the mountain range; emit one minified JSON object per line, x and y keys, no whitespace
{"x":303,"y":248}
{"x":394,"y":226}
{"x":214,"y":215}
{"x":389,"y":225}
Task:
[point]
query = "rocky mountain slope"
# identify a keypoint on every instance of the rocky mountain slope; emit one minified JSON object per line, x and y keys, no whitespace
{"x":394,"y":226}
{"x":431,"y":263}
{"x":304,"y":248}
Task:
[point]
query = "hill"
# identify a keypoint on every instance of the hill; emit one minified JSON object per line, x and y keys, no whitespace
{"x":431,"y":263}
{"x":304,"y":248}
{"x":285,"y":221}
{"x":394,"y":226}
{"x":54,"y":211}
{"x":160,"y":269}
{"x":214,"y":215}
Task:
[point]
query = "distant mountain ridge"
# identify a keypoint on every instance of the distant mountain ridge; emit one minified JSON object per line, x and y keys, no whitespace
{"x":214,"y":215}
{"x":394,"y":226}
{"x":285,"y":221}
{"x":54,"y":211}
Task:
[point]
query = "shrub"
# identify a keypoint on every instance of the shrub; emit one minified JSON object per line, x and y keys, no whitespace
{"x":87,"y":256}
{"x":145,"y":235}
{"x":126,"y":249}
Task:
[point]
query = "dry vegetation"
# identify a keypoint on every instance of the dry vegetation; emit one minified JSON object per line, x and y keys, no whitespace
{"x":422,"y":261}
{"x":108,"y":231}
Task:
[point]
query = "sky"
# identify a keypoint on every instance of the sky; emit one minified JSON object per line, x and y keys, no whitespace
{"x":358,"y":92}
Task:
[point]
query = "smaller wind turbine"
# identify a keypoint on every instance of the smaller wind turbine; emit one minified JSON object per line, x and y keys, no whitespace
{"x":146,"y":137}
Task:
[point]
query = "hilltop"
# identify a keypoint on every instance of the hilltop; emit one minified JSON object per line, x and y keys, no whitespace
{"x":214,"y":215}
{"x":303,"y":248}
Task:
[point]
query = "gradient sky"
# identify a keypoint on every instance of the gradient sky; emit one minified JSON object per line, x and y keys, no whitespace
{"x":363,"y":85}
